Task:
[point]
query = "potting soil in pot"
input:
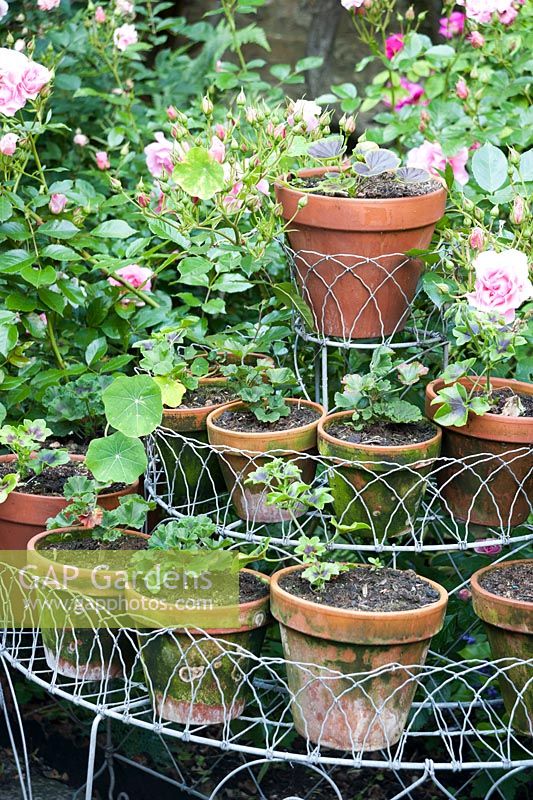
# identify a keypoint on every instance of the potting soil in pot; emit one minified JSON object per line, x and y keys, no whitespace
{"x":246,"y":421}
{"x":51,"y":482}
{"x":376,"y":187}
{"x":514,"y":582}
{"x":384,"y":434}
{"x":366,"y":589}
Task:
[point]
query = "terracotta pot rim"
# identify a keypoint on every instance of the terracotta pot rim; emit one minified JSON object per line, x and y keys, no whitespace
{"x":247,"y":607}
{"x":506,"y":429}
{"x":73,"y":457}
{"x":394,"y":201}
{"x":374,"y":448}
{"x":38,"y":536}
{"x":254,"y":435}
{"x":309,"y":606}
{"x":496,"y":599}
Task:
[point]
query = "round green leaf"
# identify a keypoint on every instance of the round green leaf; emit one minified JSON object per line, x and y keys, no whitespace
{"x":133,"y":405}
{"x":489,"y":166}
{"x":116,"y":459}
{"x":199,"y":174}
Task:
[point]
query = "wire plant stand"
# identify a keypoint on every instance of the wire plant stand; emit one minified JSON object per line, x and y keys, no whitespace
{"x":457,"y":725}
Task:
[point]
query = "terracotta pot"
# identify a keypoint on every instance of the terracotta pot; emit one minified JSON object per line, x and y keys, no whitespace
{"x":486,"y":477}
{"x":24,"y":515}
{"x":82,"y":653}
{"x":241,"y":453}
{"x":509,"y":627}
{"x":200,"y":677}
{"x":382,"y":486}
{"x":350,"y":296}
{"x":193,"y":479}
{"x":324,"y":645}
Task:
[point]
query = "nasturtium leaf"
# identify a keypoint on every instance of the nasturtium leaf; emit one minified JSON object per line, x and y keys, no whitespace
{"x":199,"y":174}
{"x":133,"y":405}
{"x":172,"y":391}
{"x":489,"y":166}
{"x":526,"y":165}
{"x":113,"y":229}
{"x":116,"y":459}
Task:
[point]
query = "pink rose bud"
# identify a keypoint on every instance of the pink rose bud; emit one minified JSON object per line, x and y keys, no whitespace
{"x":172,"y":114}
{"x":476,"y":39}
{"x":461,"y":89}
{"x":80,"y":139}
{"x":143,"y":200}
{"x":206,"y":105}
{"x":518,"y":210}
{"x":251,"y":114}
{"x":464,"y":595}
{"x":8,"y":144}
{"x":19,"y":45}
{"x":220,"y":132}
{"x":102,"y":160}
{"x":100,"y":15}
{"x":477,"y":239}
{"x":57,"y":203}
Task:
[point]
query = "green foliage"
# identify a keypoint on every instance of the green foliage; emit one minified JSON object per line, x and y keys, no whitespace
{"x":77,"y":405}
{"x":262,"y":388}
{"x":25,"y":441}
{"x":287,"y":490}
{"x":83,"y":511}
{"x":371,"y":396}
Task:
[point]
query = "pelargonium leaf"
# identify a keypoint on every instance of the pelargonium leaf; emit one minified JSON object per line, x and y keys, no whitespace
{"x":381,"y":160}
{"x":413,"y":175}
{"x":326,"y":148}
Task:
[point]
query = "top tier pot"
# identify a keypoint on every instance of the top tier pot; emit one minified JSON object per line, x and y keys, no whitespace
{"x":350,"y":263}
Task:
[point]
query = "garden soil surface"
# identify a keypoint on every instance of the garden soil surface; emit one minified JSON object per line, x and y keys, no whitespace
{"x":207,"y":396}
{"x":51,"y":481}
{"x":501,"y":396}
{"x":366,"y":589}
{"x":378,"y":187}
{"x":384,"y":434}
{"x":514,"y":582}
{"x":88,"y":543}
{"x":246,"y":422}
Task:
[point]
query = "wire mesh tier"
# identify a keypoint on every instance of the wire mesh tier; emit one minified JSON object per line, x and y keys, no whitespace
{"x":417,"y":507}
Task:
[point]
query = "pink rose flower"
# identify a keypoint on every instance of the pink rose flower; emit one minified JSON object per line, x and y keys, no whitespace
{"x":263,"y":186}
{"x":124,"y":7}
{"x":4,"y":8}
{"x":80,"y":139}
{"x":461,"y":89}
{"x":429,"y":156}
{"x":307,"y":111}
{"x":57,"y":203}
{"x":476,"y":39}
{"x":488,"y":549}
{"x":217,"y":149}
{"x":476,"y":239}
{"x":480,"y":11}
{"x":159,"y":156}
{"x":100,"y":15}
{"x":502,"y":282}
{"x":34,"y":79}
{"x":125,"y":36}
{"x":453,"y":25}
{"x":20,"y":45}
{"x":47,"y":5}
{"x":13,"y":64}
{"x":102,"y":160}
{"x":137,"y":276}
{"x":8,"y":144}
{"x":393,"y":44}
{"x":349,"y":4}
{"x":415,"y":92}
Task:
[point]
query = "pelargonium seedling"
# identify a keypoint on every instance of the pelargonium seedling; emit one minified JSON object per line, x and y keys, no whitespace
{"x":83,"y":511}
{"x":491,"y":341}
{"x":262,"y":388}
{"x":373,"y":397}
{"x":26,"y":441}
